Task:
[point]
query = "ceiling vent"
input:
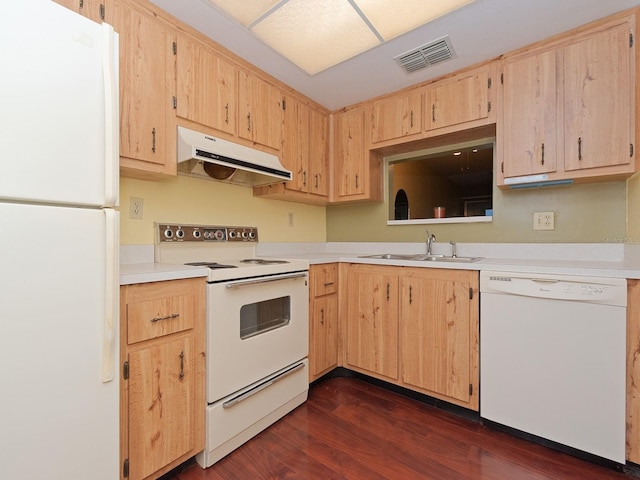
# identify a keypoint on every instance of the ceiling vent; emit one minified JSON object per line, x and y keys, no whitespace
{"x":426,"y":55}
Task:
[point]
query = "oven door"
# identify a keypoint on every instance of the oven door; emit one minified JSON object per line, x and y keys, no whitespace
{"x":255,"y":327}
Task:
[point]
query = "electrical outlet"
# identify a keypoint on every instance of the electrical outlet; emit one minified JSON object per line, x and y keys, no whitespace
{"x":544,"y":221}
{"x":290,"y":219}
{"x":135,"y":208}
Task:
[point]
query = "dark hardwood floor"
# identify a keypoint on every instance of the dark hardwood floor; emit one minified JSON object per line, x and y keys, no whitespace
{"x":349,"y":429}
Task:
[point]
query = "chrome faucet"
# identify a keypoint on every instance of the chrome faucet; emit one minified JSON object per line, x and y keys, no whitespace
{"x":454,"y":253}
{"x":430,"y":239}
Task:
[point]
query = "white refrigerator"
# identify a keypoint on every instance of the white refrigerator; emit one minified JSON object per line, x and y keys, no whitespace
{"x":59,"y":240}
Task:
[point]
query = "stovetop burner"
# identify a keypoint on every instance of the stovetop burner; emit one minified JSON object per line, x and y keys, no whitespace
{"x":262,"y":261}
{"x":211,"y":265}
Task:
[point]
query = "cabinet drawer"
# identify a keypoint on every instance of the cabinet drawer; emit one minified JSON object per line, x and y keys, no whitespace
{"x":325,"y":279}
{"x":156,"y":309}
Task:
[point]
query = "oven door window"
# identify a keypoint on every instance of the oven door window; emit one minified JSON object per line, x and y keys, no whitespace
{"x":262,"y":317}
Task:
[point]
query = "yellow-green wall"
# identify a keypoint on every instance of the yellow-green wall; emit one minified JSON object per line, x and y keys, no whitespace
{"x":589,"y":213}
{"x":196,"y":201}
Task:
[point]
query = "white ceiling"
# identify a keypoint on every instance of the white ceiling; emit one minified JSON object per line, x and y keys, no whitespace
{"x":481,"y":30}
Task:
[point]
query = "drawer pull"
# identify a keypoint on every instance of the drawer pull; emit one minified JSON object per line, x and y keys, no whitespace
{"x":328,"y":284}
{"x":181,"y":365}
{"x":168,"y":317}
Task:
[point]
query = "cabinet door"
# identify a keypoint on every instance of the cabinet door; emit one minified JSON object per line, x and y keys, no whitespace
{"x":259,"y":111}
{"x":206,"y":87}
{"x":598,"y":100}
{"x":295,"y":144}
{"x":350,"y":161}
{"x":397,"y":116}
{"x":324,"y":334}
{"x":161,"y":405}
{"x":372,"y":320}
{"x":463,"y":98}
{"x":319,"y":153}
{"x":93,"y":9}
{"x":529,"y":131}
{"x":143,"y":97}
{"x":435,"y":334}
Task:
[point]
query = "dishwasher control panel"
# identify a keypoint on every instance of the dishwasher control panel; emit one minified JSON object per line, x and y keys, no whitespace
{"x":601,"y":290}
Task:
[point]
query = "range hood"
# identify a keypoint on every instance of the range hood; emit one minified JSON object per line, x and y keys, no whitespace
{"x":204,"y":156}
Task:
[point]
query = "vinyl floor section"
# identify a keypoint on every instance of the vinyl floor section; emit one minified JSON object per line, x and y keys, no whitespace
{"x":349,"y":429}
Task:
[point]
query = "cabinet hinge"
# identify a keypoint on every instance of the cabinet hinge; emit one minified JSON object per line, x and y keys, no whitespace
{"x":631,"y":149}
{"x":502,"y":78}
{"x":125,"y":370}
{"x":488,"y":107}
{"x":174,"y":100}
{"x":630,"y":39}
{"x":174,"y":47}
{"x":489,"y":83}
{"x":470,"y":389}
{"x":102,"y":13}
{"x":470,"y":293}
{"x":125,"y":468}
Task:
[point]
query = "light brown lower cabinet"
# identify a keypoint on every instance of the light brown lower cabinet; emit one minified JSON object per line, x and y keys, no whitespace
{"x":162,"y":400}
{"x":415,"y":327}
{"x":323,"y":319}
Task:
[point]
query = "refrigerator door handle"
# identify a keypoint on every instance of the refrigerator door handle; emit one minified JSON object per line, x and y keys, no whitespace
{"x":111,"y":112}
{"x":112,"y":296}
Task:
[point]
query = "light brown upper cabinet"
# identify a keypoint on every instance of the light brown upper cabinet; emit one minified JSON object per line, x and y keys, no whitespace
{"x":568,"y":109}
{"x":144,"y":102}
{"x":396,"y":116}
{"x":462,"y":99}
{"x":530,"y":114}
{"x":206,"y":86}
{"x":319,"y":153}
{"x":259,"y":111}
{"x":96,"y":10}
{"x":357,"y":171}
{"x":598,"y":99}
{"x":295,"y":143}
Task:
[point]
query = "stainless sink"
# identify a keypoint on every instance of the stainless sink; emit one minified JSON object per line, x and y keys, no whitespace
{"x":422,"y":258}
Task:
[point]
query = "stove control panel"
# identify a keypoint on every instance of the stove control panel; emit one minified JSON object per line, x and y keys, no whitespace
{"x":167,"y":232}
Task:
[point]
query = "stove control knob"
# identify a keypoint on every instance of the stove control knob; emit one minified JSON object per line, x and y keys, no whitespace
{"x":232,"y":234}
{"x":245,"y":234}
{"x":252,"y":234}
{"x":179,"y":233}
{"x":218,"y":235}
{"x":197,"y":234}
{"x":168,"y":233}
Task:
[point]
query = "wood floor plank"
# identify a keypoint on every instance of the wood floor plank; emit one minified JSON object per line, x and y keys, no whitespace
{"x":349,"y":429}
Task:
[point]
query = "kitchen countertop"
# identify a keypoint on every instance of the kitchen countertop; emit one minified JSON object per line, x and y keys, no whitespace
{"x":157,"y":272}
{"x":598,"y":260}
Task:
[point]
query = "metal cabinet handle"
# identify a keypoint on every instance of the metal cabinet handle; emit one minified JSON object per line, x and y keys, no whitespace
{"x":181,"y":365}
{"x":153,"y":140}
{"x":543,"y":154}
{"x":322,"y":316}
{"x":226,"y":116}
{"x":410,"y":294}
{"x":167,"y":317}
{"x":388,"y":291}
{"x":248,"y":122}
{"x":433,"y":112}
{"x":327,"y":284}
{"x":316,"y":180}
{"x":357,"y":183}
{"x":579,"y":148}
{"x":304,"y":178}
{"x":411,"y":118}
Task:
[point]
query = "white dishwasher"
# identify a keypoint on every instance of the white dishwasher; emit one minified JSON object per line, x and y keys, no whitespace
{"x":552,"y":358}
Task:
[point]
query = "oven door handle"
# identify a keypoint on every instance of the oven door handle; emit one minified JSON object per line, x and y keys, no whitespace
{"x":274,"y":278}
{"x":243,"y":396}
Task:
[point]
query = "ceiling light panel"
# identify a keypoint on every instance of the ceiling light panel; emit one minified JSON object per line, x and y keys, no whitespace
{"x":316,"y":34}
{"x":404,"y":15}
{"x":245,"y":12}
